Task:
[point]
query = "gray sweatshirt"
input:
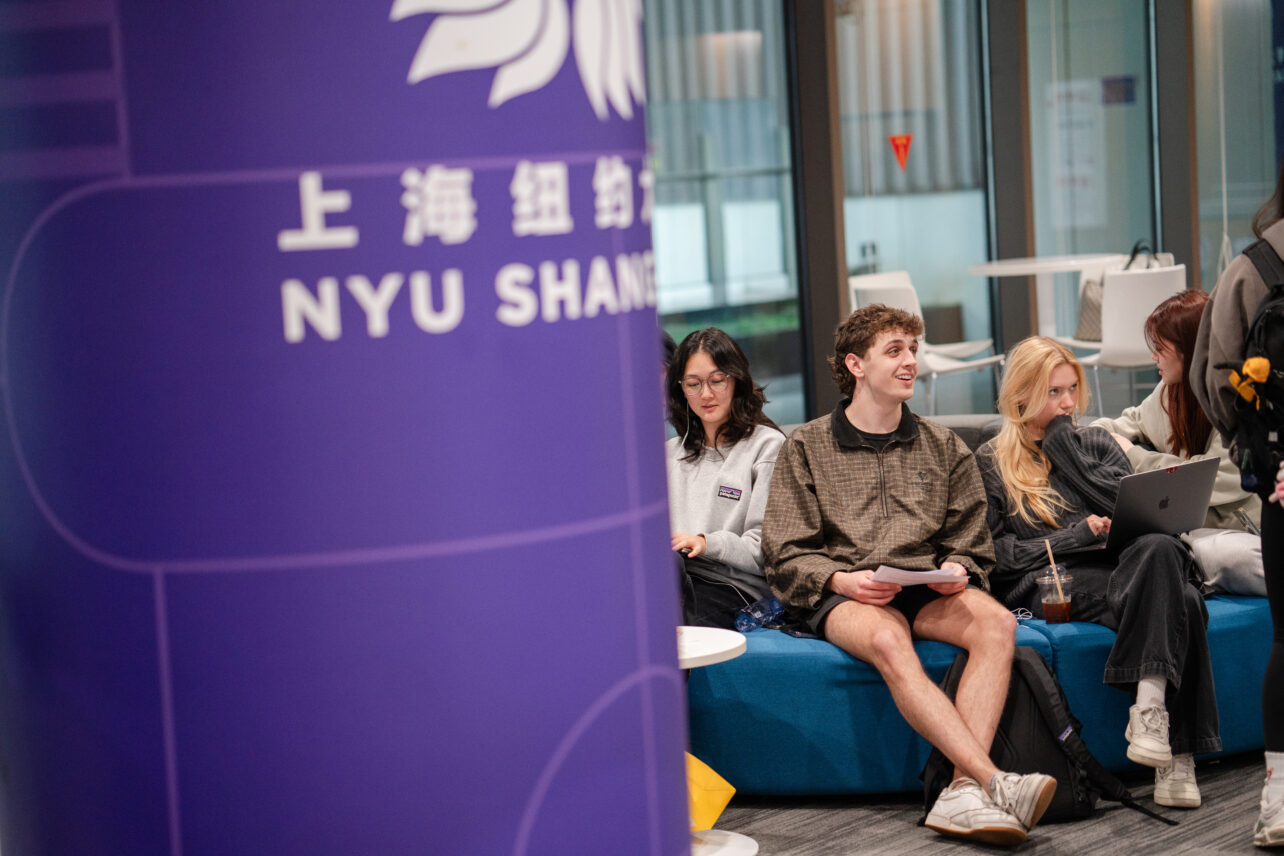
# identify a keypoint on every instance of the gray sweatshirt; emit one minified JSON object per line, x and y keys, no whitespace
{"x":1230,"y":310}
{"x":722,"y":496}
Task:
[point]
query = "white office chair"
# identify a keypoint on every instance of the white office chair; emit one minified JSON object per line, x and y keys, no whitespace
{"x":1097,"y":273}
{"x":894,"y":289}
{"x":1127,"y":298}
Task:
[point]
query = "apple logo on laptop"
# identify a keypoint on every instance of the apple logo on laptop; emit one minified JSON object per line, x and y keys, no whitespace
{"x":1163,"y":503}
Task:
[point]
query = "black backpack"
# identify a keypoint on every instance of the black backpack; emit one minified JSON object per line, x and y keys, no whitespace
{"x":1259,"y":409}
{"x":1037,"y":733}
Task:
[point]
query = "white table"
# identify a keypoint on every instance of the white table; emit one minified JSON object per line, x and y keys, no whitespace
{"x":704,"y":646}
{"x":1043,"y":269}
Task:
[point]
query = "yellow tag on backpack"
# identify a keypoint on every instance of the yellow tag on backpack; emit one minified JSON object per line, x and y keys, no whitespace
{"x":1255,"y":371}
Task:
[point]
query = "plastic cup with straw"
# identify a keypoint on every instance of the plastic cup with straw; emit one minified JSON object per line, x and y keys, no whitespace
{"x":1061,"y":596}
{"x":1056,"y":579}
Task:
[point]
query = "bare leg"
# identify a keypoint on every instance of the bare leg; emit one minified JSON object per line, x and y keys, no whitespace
{"x":881,"y":637}
{"x":980,"y":625}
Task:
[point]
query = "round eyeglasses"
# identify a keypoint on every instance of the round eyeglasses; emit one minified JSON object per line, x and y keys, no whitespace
{"x":717,"y":381}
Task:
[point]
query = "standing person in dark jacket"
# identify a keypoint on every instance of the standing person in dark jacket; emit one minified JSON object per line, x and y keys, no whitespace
{"x":1227,"y":316}
{"x":1048,"y":480}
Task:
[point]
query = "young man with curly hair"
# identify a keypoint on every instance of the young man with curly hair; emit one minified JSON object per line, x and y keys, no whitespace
{"x":873,"y":484}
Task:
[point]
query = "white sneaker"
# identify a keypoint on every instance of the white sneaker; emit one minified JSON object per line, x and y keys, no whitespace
{"x":1269,"y":831}
{"x":965,"y":810}
{"x":1147,"y":736}
{"x":1175,"y":783}
{"x":1025,"y":797}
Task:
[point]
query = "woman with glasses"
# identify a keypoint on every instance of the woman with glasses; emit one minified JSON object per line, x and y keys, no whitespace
{"x":719,"y":468}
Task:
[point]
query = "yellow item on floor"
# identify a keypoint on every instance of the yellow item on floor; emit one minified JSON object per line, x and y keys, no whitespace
{"x":707,"y":793}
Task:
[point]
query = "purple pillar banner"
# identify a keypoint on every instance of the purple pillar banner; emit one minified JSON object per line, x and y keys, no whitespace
{"x":334,"y":516}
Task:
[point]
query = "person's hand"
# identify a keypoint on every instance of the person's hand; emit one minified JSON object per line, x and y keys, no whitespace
{"x":861,"y":587}
{"x":951,"y":588}
{"x":694,"y":544}
{"x":1277,"y":495}
{"x":1097,"y":524}
{"x":1124,"y":442}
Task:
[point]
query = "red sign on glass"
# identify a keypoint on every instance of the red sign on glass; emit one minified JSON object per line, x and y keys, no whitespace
{"x":901,"y":145}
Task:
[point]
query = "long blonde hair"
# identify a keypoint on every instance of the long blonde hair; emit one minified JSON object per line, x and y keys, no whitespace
{"x":1023,"y":466}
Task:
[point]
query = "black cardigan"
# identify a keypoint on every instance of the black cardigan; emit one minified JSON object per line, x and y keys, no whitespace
{"x":1087,"y":465}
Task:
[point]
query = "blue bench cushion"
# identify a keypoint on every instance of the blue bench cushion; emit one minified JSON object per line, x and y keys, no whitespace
{"x":801,"y":716}
{"x":1239,"y":638}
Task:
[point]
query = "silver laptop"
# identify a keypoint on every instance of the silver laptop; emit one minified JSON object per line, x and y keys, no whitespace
{"x":1167,"y":501}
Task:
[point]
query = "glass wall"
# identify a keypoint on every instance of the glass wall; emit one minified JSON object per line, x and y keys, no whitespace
{"x":1090,"y":126}
{"x":909,"y":86}
{"x":1238,"y":68}
{"x":912,"y":114}
{"x":1093,"y":164}
{"x":718,"y":127}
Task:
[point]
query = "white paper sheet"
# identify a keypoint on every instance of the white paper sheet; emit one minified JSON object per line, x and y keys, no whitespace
{"x":888,"y":574}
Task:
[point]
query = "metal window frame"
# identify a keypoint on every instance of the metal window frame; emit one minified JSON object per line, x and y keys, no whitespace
{"x":812,"y":69}
{"x":811,"y":65}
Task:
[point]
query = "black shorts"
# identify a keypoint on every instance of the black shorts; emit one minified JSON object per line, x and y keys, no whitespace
{"x":909,"y":601}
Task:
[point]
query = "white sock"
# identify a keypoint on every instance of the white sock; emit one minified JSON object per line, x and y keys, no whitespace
{"x":1275,"y":775}
{"x":1150,"y":691}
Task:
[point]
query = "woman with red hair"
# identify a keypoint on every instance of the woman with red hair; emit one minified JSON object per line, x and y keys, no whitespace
{"x":1170,"y":428}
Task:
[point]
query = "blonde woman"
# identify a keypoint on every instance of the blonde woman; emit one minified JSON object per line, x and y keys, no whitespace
{"x":1048,"y":479}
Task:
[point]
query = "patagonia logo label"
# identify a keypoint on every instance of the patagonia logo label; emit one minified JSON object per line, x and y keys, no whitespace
{"x":728,"y":493}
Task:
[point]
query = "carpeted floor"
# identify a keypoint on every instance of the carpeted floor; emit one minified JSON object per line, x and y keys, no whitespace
{"x":829,"y":826}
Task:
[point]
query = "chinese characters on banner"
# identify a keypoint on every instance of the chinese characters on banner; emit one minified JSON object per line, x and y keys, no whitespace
{"x":440,"y":206}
